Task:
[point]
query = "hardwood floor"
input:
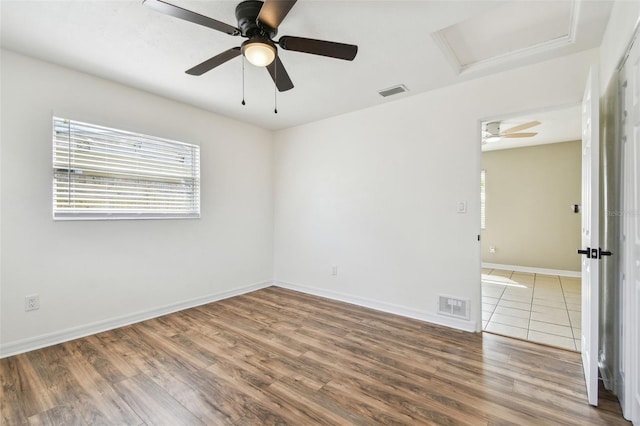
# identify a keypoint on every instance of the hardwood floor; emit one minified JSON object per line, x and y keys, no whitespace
{"x":276,"y":356}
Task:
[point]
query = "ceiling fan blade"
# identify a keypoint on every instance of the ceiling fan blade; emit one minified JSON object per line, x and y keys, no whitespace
{"x":518,"y":135}
{"x":319,"y":47}
{"x":279,"y":75}
{"x":521,"y":127}
{"x":273,"y":12}
{"x":211,"y":63}
{"x":190,"y":16}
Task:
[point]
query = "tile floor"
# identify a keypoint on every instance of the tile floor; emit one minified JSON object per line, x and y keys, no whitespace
{"x":536,"y":307}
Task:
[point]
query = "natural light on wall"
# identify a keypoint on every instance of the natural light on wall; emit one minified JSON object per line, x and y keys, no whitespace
{"x":483,"y":199}
{"x":104,"y":173}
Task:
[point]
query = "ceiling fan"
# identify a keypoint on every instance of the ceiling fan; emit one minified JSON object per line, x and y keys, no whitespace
{"x":492,"y":133}
{"x":258,"y":22}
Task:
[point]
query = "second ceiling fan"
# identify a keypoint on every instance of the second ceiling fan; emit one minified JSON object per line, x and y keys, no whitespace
{"x":258,"y":22}
{"x":493,"y":133}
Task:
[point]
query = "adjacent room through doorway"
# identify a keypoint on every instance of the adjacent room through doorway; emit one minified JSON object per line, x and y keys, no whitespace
{"x":531,"y":180}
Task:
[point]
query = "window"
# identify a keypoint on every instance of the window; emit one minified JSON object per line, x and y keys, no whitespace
{"x":483,"y":199}
{"x":103,"y":173}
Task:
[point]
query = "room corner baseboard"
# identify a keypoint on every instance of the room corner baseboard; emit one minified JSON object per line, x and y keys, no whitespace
{"x":606,"y":374}
{"x":532,"y":270}
{"x":25,"y":345}
{"x":432,"y":318}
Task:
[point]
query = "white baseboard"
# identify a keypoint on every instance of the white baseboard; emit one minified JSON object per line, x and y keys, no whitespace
{"x":605,"y":372}
{"x":25,"y":345}
{"x":532,"y":270}
{"x":433,"y":318}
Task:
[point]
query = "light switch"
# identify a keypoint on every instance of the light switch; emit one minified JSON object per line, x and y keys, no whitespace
{"x":461,"y":207}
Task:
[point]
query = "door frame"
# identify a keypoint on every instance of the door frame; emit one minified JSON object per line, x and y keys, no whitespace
{"x":500,"y":117}
{"x":629,"y":374}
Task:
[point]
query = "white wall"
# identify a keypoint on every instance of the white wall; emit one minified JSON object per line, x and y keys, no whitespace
{"x":98,"y":274}
{"x":375,"y":191}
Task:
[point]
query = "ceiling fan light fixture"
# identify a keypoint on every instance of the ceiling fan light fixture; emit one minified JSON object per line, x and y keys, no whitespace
{"x":259,"y":51}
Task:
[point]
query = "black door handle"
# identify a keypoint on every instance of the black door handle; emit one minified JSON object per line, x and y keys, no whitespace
{"x":587,"y":252}
{"x":603,"y":253}
{"x":593,"y":253}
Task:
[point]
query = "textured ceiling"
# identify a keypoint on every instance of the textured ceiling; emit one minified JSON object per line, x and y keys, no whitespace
{"x":132,"y":44}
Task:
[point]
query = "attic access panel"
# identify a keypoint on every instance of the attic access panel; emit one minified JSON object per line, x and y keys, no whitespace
{"x":512,"y":30}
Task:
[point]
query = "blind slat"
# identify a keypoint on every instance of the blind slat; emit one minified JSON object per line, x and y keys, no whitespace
{"x":103,"y":173}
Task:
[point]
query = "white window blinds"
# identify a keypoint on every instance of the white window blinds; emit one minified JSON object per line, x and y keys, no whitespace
{"x":103,"y":173}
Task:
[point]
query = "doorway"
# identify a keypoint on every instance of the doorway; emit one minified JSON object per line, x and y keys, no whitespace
{"x":530,"y":276}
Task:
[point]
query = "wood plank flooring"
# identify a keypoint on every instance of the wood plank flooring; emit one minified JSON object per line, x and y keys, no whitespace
{"x":276,"y":356}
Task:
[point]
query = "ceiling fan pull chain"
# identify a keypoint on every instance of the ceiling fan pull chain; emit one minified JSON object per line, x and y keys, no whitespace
{"x":243,"y":103}
{"x":275,"y":91}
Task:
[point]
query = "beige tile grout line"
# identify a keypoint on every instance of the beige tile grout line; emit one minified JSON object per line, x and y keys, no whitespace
{"x":535,"y":277}
{"x":533,"y":292}
{"x":495,"y":307}
{"x":564,"y":298}
{"x":500,"y":299}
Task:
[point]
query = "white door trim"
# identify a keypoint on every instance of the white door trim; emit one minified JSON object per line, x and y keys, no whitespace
{"x":590,"y":232}
{"x":630,"y":244}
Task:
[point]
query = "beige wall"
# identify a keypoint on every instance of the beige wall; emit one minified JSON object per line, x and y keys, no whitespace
{"x":528,"y":217}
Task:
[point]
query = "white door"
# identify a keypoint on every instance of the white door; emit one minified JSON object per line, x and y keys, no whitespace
{"x":631,"y":236}
{"x":590,"y":229}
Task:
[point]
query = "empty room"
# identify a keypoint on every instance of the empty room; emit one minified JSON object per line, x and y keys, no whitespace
{"x":531,"y":229}
{"x":248,"y":213}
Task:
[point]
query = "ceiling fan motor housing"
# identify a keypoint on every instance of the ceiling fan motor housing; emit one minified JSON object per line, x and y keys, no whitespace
{"x":493,"y":128}
{"x":247,"y":16}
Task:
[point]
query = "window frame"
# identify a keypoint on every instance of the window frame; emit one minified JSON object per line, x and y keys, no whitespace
{"x":103,"y":173}
{"x":483,"y":199}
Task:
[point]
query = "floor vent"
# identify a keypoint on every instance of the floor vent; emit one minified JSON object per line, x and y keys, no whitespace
{"x":400,"y":88}
{"x":453,"y":307}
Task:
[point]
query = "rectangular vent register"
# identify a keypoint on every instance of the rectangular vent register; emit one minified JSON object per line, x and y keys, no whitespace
{"x":453,"y":307}
{"x":400,"y":88}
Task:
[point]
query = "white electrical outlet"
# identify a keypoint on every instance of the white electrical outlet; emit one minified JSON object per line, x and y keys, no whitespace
{"x":32,"y":303}
{"x":334,"y":270}
{"x":492,"y":249}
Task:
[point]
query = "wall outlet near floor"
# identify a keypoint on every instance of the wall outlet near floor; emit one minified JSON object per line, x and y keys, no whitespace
{"x":492,"y":249}
{"x":32,"y":303}
{"x":334,"y":271}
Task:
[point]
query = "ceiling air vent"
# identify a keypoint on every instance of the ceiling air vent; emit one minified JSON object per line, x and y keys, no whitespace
{"x":400,"y":88}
